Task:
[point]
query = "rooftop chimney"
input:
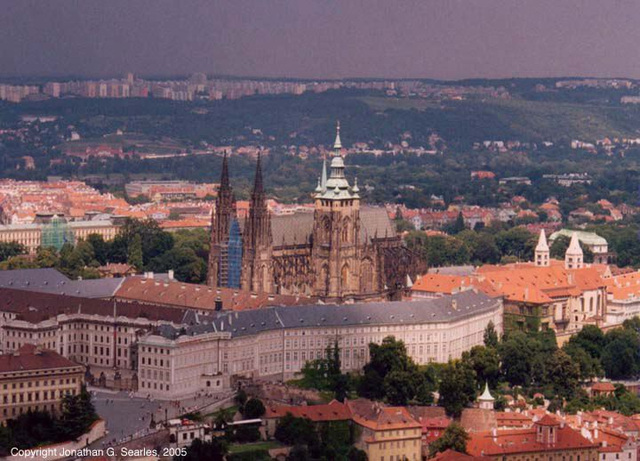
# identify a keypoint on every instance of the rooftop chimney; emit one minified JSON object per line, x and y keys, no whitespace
{"x":170,"y":274}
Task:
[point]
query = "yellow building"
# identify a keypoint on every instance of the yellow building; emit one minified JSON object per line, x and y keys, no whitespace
{"x":33,"y":379}
{"x":387,"y":433}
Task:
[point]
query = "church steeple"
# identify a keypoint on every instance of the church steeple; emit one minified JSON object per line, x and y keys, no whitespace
{"x":257,"y":239}
{"x":258,"y":187}
{"x":574,"y":257}
{"x":224,"y":177}
{"x":221,"y":218}
{"x":336,"y":187}
{"x":336,"y":232}
{"x":542,"y":251}
{"x":337,"y":145}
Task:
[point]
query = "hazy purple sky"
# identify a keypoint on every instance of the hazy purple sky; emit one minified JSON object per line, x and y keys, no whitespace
{"x":322,"y":38}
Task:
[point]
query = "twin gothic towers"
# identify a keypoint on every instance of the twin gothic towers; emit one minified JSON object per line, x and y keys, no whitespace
{"x":341,"y":251}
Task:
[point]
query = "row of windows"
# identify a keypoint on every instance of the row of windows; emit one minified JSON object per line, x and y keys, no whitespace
{"x":46,"y":382}
{"x":35,"y":396}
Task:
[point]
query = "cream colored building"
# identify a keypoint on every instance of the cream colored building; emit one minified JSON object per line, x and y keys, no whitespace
{"x":275,"y":343}
{"x":30,"y":235}
{"x":36,"y":379}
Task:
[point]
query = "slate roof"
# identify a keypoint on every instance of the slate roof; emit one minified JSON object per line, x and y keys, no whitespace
{"x":467,"y":304}
{"x":52,"y":281}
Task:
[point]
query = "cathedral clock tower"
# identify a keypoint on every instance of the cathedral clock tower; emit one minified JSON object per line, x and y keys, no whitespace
{"x":336,"y":232}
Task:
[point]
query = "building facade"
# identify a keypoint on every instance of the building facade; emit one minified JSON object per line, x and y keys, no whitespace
{"x":36,"y":379}
{"x":343,"y":251}
{"x":275,"y":343}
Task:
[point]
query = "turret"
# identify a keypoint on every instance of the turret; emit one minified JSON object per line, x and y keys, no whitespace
{"x":574,"y":257}
{"x":542,"y":251}
{"x":486,"y":400}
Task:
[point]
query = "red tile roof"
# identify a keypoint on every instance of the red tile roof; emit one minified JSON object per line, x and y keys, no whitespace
{"x":193,"y":296}
{"x":28,"y":358}
{"x":516,"y":441}
{"x":451,"y":455}
{"x":378,"y":418}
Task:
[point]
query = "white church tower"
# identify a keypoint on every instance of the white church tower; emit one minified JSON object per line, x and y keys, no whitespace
{"x":542,"y":251}
{"x":486,"y":400}
{"x":574,"y":258}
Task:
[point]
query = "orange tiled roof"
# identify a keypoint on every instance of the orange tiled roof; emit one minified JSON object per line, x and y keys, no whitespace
{"x":516,"y":441}
{"x":190,"y":295}
{"x":451,"y":455}
{"x":603,"y":387}
{"x":379,"y":418}
{"x":439,"y":283}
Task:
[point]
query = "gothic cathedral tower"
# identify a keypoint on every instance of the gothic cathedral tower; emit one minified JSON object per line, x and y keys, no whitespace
{"x":221,"y":219}
{"x":257,"y":270}
{"x":336,"y":233}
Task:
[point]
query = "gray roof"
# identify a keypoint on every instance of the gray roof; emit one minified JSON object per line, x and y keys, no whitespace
{"x":298,"y":227}
{"x":468,"y":303}
{"x":52,"y":281}
{"x":452,"y":270}
{"x":22,"y":279}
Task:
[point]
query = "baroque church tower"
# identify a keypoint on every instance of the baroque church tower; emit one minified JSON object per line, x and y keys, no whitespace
{"x":336,"y":232}
{"x":257,"y":241}
{"x":221,"y":223}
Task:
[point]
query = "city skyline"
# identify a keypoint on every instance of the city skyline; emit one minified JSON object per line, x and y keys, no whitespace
{"x":432,"y":39}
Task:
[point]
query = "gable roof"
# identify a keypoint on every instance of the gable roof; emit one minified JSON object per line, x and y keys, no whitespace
{"x":377,"y":417}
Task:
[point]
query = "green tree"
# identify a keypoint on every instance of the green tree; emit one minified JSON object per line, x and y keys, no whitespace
{"x":591,"y":339}
{"x":47,"y":257}
{"x":516,"y":359}
{"x":253,"y":409}
{"x":517,"y":242}
{"x":11,"y":249}
{"x":293,"y":431}
{"x":589,"y":367}
{"x":101,"y":248}
{"x":78,"y":413}
{"x":490,"y":335}
{"x":457,"y":387}
{"x":134,"y":252}
{"x":187,"y":266}
{"x":454,"y":438}
{"x":485,"y":361}
{"x":621,"y":356}
{"x":457,"y":226}
{"x":563,"y":374}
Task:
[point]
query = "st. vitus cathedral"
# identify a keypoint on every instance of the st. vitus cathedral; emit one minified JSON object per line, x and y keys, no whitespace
{"x":342,"y":251}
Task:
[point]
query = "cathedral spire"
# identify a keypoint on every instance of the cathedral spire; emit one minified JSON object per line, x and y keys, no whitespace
{"x":337,"y":145}
{"x":258,"y":185}
{"x":224,"y":179}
